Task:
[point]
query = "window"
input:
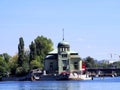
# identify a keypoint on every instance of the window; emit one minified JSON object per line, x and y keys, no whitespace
{"x":64,"y":67}
{"x":76,"y":65}
{"x":68,"y":49}
{"x":51,"y":65}
{"x":65,"y":64}
{"x":62,"y":49}
{"x":64,"y":55}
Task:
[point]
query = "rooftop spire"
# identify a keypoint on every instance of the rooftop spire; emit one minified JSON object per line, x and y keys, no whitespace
{"x":63,"y":34}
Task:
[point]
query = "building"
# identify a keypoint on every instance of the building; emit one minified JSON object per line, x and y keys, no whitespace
{"x":62,"y":60}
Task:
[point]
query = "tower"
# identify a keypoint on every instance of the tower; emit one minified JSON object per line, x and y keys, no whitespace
{"x":63,"y":55}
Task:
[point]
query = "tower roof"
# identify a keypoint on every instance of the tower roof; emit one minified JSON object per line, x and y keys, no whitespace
{"x":63,"y":44}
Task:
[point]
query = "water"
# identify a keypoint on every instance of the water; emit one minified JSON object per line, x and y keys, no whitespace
{"x":96,"y":84}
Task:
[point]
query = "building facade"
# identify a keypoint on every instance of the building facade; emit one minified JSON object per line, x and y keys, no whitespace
{"x":62,"y":60}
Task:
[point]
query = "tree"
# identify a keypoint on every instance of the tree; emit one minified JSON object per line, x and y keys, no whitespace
{"x":23,"y":70}
{"x":90,"y":63}
{"x":116,"y":64}
{"x":3,"y":67}
{"x":13,"y":64}
{"x":32,"y":51}
{"x":35,"y":64}
{"x":21,"y":56}
{"x":43,"y":46}
{"x":27,"y":57}
{"x":23,"y":65}
{"x":103,"y":65}
{"x":6,"y":57}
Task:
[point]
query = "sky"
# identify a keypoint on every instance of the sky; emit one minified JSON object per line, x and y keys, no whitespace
{"x":92,"y":27}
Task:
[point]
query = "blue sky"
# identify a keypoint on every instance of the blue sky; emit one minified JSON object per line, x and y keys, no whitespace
{"x":92,"y":27}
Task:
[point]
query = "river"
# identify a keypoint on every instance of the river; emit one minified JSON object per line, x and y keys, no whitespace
{"x":96,"y":84}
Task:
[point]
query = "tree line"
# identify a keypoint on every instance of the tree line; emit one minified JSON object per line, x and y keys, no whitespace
{"x":91,"y":63}
{"x":25,"y":60}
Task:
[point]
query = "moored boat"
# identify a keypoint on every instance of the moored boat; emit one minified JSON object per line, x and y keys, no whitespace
{"x":76,"y":76}
{"x":73,"y":76}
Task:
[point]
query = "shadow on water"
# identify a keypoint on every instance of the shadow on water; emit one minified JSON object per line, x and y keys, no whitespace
{"x":106,"y":83}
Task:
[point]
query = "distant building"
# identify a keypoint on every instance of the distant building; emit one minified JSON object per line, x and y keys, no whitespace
{"x":62,"y":59}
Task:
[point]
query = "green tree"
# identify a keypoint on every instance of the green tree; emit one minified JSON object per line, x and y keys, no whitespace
{"x":90,"y":63}
{"x":25,"y":64}
{"x":23,"y":59}
{"x":3,"y":67}
{"x":35,"y":64}
{"x":23,"y":70}
{"x":103,"y":65}
{"x":6,"y":57}
{"x":43,"y":46}
{"x":13,"y":64}
{"x":116,"y":64}
{"x":32,"y":51}
{"x":27,"y":57}
{"x":21,"y":56}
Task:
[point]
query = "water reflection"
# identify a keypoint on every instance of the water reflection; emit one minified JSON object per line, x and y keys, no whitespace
{"x":96,"y":84}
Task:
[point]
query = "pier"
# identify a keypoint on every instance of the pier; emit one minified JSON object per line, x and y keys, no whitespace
{"x":104,"y":72}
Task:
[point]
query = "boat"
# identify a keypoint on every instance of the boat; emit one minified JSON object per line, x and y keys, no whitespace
{"x":73,"y":76}
{"x":76,"y":76}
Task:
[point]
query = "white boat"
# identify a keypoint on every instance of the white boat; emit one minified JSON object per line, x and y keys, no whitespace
{"x":73,"y":76}
{"x":76,"y":76}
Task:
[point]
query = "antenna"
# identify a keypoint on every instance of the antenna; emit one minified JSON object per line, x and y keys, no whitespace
{"x":63,"y":34}
{"x":111,"y":56}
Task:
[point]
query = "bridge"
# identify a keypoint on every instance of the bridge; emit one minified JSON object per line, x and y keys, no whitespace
{"x":104,"y":72}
